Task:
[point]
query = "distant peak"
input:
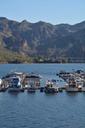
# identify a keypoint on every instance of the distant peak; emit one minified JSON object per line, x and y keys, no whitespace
{"x":42,"y":23}
{"x":25,"y":22}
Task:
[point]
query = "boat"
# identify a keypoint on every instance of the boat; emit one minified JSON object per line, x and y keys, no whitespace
{"x":83,"y":86}
{"x":3,"y":88}
{"x":8,"y":77}
{"x":32,"y":82}
{"x":31,"y":87}
{"x":51,"y":87}
{"x":15,"y":84}
{"x":32,"y":79}
{"x":72,"y":86}
{"x":31,"y":90}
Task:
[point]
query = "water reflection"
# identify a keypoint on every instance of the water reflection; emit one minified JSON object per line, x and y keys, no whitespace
{"x":14,"y":94}
{"x":72,"y":93}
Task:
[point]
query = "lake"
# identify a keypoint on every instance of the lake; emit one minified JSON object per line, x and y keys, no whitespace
{"x":24,"y":110}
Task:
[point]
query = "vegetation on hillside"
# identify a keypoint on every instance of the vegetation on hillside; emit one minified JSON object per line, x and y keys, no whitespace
{"x":23,"y":42}
{"x":12,"y":57}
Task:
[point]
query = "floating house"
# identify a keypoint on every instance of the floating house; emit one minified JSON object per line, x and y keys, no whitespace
{"x":32,"y":80}
{"x":15,"y":84}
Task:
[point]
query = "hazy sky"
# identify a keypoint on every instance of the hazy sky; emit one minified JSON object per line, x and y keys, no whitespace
{"x":53,"y":11}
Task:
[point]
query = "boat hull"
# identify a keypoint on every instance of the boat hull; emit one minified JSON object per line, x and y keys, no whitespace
{"x":50,"y":90}
{"x":31,"y":90}
{"x":72,"y":89}
{"x":83,"y":89}
{"x":15,"y":90}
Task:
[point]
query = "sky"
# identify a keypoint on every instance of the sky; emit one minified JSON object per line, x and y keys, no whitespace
{"x":52,"y":11}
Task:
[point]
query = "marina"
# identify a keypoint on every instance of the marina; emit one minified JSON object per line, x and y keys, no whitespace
{"x":39,"y":109}
{"x":19,"y":82}
{"x":42,"y":64}
{"x":23,"y":81}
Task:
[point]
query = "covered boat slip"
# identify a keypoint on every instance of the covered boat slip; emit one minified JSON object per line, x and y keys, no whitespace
{"x":32,"y":80}
{"x":75,"y":80}
{"x":18,"y":81}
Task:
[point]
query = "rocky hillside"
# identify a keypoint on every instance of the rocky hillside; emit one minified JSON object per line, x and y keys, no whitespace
{"x":43,"y":39}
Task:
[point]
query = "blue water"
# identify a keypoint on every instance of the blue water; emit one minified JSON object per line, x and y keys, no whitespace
{"x":39,"y":110}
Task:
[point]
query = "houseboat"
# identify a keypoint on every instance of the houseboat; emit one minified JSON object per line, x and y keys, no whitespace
{"x":32,"y":82}
{"x":83,"y":86}
{"x":30,"y":86}
{"x":72,"y":86}
{"x":8,"y":77}
{"x":15,"y":84}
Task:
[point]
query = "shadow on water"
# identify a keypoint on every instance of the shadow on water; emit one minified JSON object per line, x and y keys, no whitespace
{"x":72,"y":94}
{"x":50,"y":94}
{"x":13,"y":93}
{"x":31,"y":93}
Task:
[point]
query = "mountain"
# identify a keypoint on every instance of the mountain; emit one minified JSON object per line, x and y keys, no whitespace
{"x":43,"y":39}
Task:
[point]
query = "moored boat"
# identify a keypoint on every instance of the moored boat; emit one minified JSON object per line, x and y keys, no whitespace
{"x":32,"y":82}
{"x":15,"y":85}
{"x":51,"y":87}
{"x":72,"y":86}
{"x":31,"y":90}
{"x":32,"y":79}
{"x":83,"y":86}
{"x":2,"y":86}
{"x":31,"y":87}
